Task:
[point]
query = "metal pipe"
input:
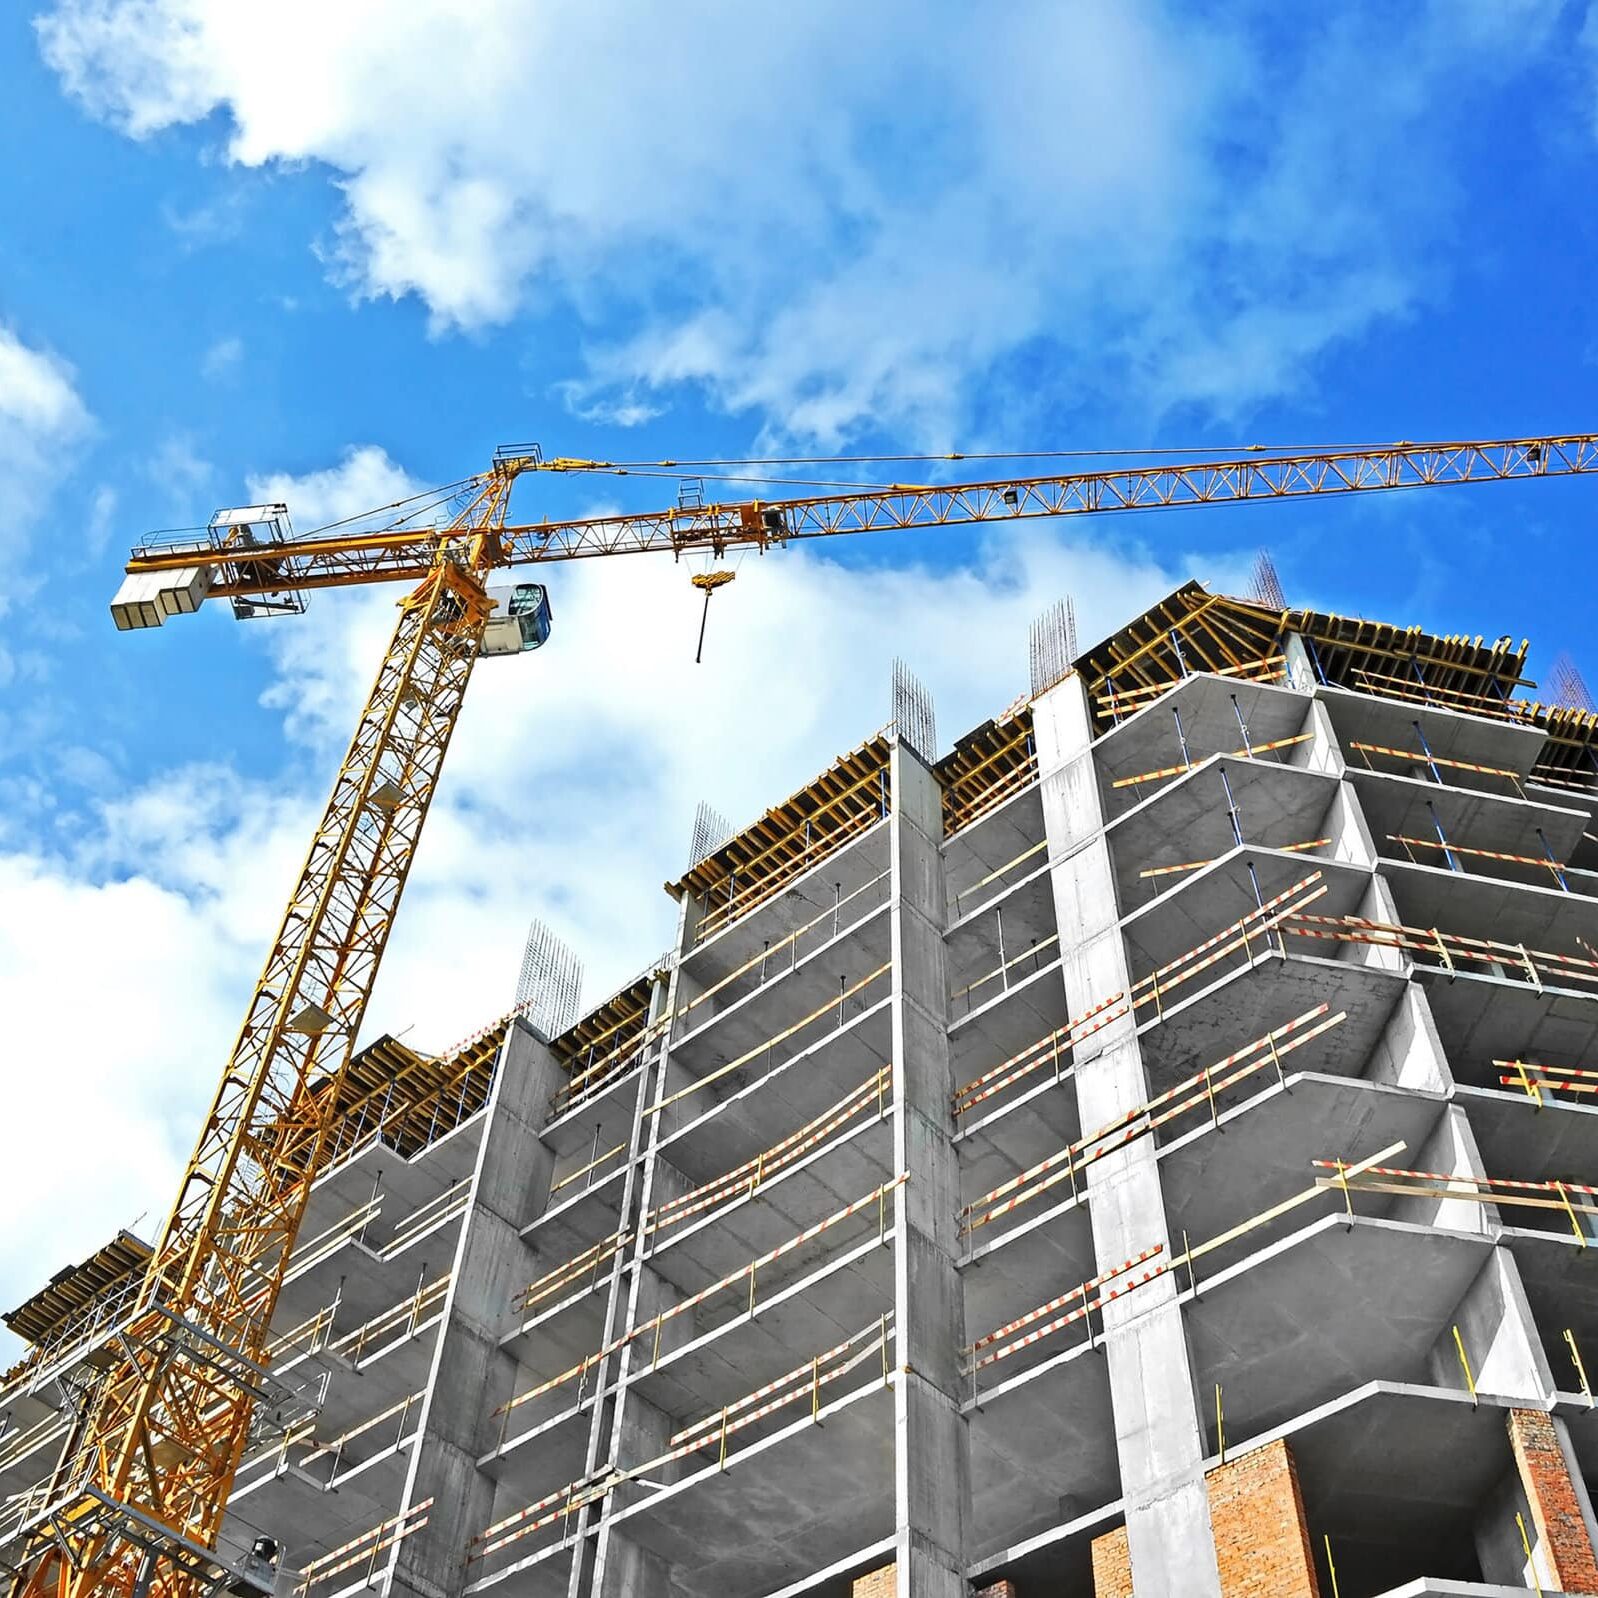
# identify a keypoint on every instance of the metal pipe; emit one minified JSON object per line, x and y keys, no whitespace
{"x":1442,"y":838}
{"x":1426,"y":749}
{"x":1248,"y":743}
{"x":1232,"y":815}
{"x":1181,"y":738}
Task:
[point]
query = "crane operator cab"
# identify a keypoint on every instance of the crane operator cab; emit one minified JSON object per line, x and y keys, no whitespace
{"x":519,"y":621}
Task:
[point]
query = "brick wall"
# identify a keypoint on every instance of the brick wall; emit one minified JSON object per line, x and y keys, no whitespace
{"x":881,"y":1583}
{"x":1556,"y":1511}
{"x":1112,"y":1565}
{"x":1262,"y":1541}
{"x":1262,"y":1545}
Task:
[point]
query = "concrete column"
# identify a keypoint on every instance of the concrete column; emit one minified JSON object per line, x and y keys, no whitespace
{"x":471,"y":1374}
{"x":932,"y":1462}
{"x":629,"y":1430}
{"x":1158,"y":1433}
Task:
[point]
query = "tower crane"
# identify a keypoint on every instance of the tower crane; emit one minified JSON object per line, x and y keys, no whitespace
{"x":136,"y":1502}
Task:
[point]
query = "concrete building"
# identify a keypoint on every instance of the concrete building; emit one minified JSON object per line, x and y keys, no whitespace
{"x":1151,"y":1144}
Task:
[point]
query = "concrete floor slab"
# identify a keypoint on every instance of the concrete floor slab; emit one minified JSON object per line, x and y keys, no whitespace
{"x":807,"y":1079}
{"x":707,"y":1247}
{"x":1269,"y":1137}
{"x":401,"y":1185}
{"x":1484,"y":906}
{"x":531,"y":1459}
{"x":580,"y":1216}
{"x":795,"y":1501}
{"x":1558,"y":1142}
{"x":1394,"y":1475}
{"x":1482,"y":1018}
{"x":542,"y":1574}
{"x":724,"y":1027}
{"x":574,"y":1133}
{"x":1058,"y":1560}
{"x":1014,"y":1264}
{"x":1251,"y":996}
{"x":1483,"y":740}
{"x":1148,"y":740}
{"x":999,"y":1146}
{"x":989,"y":844}
{"x":308,"y":1517}
{"x":1206,"y":901}
{"x":811,"y":894}
{"x":727,"y":1354}
{"x":1041,"y":1453}
{"x":800,"y":1093}
{"x":1405,"y":805}
{"x":365,"y":1279}
{"x":1188,"y":820}
{"x":1324,"y":1310}
{"x":1033,"y":1006}
{"x":1000,"y":932}
{"x":1561,"y":1282}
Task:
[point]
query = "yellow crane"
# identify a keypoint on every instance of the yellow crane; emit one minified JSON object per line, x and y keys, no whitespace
{"x":136,"y":1502}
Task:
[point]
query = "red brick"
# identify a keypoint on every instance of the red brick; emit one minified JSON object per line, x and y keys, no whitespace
{"x":1112,"y":1565}
{"x":1555,"y":1509}
{"x":1262,"y":1545}
{"x":881,"y":1583}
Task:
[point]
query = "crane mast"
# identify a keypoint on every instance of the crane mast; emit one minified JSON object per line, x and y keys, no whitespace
{"x":137,"y":1500}
{"x":139,"y":1495}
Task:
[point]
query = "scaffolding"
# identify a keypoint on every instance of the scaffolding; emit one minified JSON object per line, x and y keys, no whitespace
{"x":991,"y":764}
{"x":847,"y":799}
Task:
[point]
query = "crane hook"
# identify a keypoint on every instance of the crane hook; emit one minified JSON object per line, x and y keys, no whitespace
{"x":708,"y":583}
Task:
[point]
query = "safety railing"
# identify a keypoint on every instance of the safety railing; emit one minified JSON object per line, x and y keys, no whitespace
{"x":16,"y":1446}
{"x":1450,"y":952}
{"x":1249,"y":936}
{"x":599,"y":1072}
{"x":803,"y":1387}
{"x":1078,"y":1304}
{"x":856,"y":809}
{"x":1434,"y":764}
{"x":452,"y":1202}
{"x":75,"y":1335}
{"x":834,"y":1125}
{"x":781,"y":956}
{"x":1201,"y":1091}
{"x":824,"y":1018}
{"x":1121,"y":702}
{"x":363,"y":1550}
{"x":875,"y":1201}
{"x":349,"y":1227}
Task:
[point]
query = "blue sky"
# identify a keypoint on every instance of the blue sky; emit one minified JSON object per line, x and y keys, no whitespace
{"x":337,"y":251}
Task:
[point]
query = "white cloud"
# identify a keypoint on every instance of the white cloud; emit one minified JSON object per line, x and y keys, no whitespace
{"x":119,"y":996}
{"x":40,"y":414}
{"x":102,"y":512}
{"x":828,"y":214}
{"x":221,"y":359}
{"x":569,"y":795}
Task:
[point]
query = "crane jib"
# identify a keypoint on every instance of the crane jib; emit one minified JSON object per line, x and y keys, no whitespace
{"x":400,"y":554}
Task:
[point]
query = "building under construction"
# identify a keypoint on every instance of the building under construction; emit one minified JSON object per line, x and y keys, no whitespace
{"x":1147,"y":1145}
